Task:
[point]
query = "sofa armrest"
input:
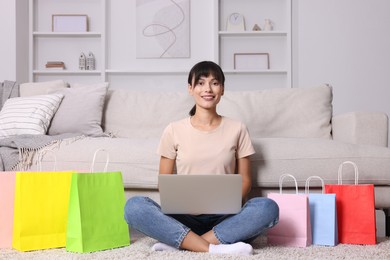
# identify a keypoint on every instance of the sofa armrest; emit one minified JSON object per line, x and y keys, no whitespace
{"x":369,"y":128}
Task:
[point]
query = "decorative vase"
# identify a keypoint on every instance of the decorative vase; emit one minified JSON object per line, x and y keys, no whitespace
{"x":267,"y":25}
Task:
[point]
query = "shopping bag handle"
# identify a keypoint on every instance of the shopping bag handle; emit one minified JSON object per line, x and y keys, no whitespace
{"x":307,"y":184}
{"x":40,"y":158}
{"x":94,"y":159}
{"x":281,"y":178}
{"x":340,"y":171}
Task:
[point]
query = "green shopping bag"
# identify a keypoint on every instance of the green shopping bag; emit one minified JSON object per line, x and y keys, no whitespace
{"x":96,"y":210}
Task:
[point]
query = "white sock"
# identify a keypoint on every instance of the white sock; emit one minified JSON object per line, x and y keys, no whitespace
{"x":163,"y":247}
{"x":239,"y":248}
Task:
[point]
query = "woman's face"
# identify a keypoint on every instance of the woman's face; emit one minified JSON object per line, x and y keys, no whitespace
{"x":207,"y":92}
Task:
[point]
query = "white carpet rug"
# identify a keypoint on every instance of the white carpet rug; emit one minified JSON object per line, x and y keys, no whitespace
{"x":140,"y":249}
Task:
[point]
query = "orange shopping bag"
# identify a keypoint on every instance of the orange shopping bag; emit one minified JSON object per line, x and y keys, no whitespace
{"x":355,"y":210}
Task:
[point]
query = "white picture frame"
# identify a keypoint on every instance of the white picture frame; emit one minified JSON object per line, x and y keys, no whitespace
{"x":251,"y":61}
{"x":69,"y":23}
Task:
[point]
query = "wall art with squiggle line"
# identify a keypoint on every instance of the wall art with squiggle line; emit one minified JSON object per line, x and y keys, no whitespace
{"x":163,"y":28}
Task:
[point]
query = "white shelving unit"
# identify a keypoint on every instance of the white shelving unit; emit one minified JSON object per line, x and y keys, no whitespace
{"x":112,"y":40}
{"x":43,"y":42}
{"x":277,"y":43}
{"x":67,"y":34}
{"x":145,"y":72}
{"x":253,"y":33}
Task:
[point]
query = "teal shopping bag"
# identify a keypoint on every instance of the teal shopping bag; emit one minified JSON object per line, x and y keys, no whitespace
{"x":323,"y":216}
{"x":96,"y":212}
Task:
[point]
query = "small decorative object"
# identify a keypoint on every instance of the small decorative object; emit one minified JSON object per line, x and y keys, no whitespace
{"x":268,"y":25}
{"x":90,"y":65}
{"x":55,"y":65}
{"x":235,"y":22}
{"x":256,"y":27}
{"x":82,"y":61}
{"x":69,"y":23}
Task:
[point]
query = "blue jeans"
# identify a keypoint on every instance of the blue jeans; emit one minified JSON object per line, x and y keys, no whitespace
{"x":255,"y":217}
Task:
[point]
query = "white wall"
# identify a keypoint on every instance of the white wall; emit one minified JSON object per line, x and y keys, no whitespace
{"x":346,"y":44}
{"x":8,"y":40}
{"x":14,"y":40}
{"x":21,"y":51}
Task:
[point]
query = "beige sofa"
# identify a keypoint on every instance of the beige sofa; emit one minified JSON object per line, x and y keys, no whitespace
{"x":293,"y":131}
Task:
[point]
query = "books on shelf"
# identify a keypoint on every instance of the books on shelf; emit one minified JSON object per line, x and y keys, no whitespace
{"x":60,"y":65}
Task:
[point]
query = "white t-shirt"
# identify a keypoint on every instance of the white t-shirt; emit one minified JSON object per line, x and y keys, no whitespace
{"x":205,"y":152}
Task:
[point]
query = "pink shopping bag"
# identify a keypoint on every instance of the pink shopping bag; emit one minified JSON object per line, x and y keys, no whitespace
{"x":7,"y":196}
{"x":294,"y":227}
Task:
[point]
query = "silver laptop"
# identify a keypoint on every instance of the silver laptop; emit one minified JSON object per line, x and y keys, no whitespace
{"x":200,"y":194}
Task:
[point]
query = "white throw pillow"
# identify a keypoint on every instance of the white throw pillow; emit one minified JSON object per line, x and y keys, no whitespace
{"x":41,"y":88}
{"x":28,"y":115}
{"x":81,"y":110}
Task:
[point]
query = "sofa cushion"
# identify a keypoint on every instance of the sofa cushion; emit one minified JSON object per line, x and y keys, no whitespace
{"x":41,"y":88}
{"x":135,"y":158}
{"x":138,"y":161}
{"x":28,"y":115}
{"x":267,"y":113}
{"x":304,"y":157}
{"x":81,"y":110}
{"x":143,"y":114}
{"x":295,"y":112}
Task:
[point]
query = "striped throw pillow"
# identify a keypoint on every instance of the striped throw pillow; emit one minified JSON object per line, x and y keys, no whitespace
{"x":28,"y":115}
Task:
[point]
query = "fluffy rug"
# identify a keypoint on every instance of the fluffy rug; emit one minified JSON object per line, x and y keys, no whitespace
{"x":140,"y":249}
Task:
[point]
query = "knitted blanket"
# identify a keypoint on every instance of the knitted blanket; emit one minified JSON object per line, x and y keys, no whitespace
{"x":17,"y":152}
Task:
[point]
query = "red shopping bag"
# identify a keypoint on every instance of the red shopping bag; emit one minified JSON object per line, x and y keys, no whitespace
{"x":355,"y":210}
{"x":294,"y":227}
{"x":7,"y":196}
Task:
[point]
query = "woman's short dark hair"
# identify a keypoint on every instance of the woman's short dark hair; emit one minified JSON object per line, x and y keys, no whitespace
{"x":205,"y":69}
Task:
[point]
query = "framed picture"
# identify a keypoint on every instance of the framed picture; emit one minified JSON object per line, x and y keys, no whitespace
{"x":163,"y":29}
{"x":69,"y":23}
{"x":251,"y":61}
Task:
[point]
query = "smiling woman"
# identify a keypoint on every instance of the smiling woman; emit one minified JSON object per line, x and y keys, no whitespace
{"x":206,"y":75}
{"x":210,"y":144}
